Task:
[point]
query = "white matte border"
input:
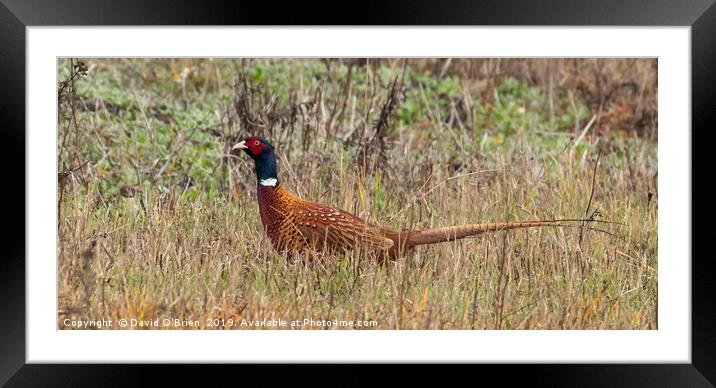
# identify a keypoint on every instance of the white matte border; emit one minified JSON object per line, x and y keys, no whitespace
{"x":670,"y":343}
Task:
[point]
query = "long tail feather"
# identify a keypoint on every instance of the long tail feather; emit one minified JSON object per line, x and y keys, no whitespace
{"x":450,"y":233}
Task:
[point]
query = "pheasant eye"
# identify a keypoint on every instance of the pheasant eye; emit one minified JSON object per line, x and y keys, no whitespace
{"x":256,"y":143}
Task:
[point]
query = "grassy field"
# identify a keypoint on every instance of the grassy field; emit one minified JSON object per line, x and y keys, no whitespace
{"x":155,"y":221}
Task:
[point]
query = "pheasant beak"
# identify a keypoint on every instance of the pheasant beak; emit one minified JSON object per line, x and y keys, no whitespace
{"x":240,"y":145}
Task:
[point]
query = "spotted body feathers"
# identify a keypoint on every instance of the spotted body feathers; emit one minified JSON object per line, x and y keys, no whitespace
{"x":293,"y":224}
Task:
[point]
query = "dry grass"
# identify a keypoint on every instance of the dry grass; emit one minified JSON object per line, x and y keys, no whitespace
{"x":155,"y":222}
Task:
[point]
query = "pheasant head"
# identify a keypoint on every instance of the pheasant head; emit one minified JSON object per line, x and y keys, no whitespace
{"x":262,"y":152}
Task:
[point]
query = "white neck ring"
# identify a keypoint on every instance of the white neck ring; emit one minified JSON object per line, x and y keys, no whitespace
{"x":268,"y":182}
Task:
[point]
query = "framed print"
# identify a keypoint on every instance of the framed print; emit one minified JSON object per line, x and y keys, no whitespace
{"x":473,"y":186}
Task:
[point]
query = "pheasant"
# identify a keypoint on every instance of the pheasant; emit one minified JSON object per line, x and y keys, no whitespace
{"x":295,"y":225}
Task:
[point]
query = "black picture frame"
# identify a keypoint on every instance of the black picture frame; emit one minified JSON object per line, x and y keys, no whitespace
{"x":16,"y":15}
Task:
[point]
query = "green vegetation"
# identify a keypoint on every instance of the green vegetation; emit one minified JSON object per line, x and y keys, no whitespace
{"x":157,"y":221}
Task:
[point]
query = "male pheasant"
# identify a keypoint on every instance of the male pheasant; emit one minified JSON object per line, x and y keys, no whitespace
{"x":294,"y":225}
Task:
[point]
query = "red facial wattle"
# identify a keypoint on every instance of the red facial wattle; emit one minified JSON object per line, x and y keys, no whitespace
{"x":256,"y":146}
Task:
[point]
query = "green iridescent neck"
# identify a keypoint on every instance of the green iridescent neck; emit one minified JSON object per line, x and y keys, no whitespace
{"x":266,"y":168}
